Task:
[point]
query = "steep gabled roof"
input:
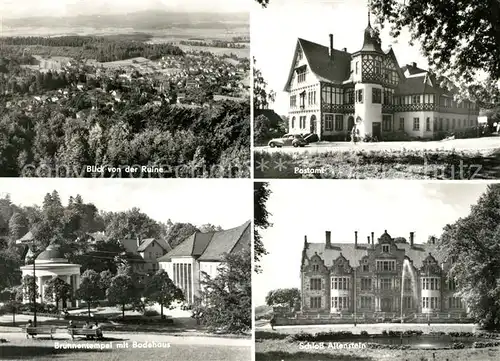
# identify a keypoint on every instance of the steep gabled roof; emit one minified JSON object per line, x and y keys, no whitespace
{"x":210,"y":246}
{"x":422,"y":83}
{"x":226,"y":242}
{"x":148,"y":241}
{"x":334,"y":70}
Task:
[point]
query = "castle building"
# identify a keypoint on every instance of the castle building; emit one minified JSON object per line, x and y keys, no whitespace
{"x":202,"y":253}
{"x":367,"y":277}
{"x":333,"y":91}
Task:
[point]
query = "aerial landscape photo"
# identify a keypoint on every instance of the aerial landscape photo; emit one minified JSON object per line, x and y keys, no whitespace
{"x":107,"y":88}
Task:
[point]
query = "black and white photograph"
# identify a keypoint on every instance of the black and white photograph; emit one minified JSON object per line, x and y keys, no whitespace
{"x":125,"y":88}
{"x":369,"y":270}
{"x":115,"y":269}
{"x":376,"y":89}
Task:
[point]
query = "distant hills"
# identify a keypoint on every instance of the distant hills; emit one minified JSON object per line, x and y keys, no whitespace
{"x":138,"y":20}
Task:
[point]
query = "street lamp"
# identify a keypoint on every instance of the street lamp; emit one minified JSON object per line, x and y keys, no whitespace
{"x":29,"y":240}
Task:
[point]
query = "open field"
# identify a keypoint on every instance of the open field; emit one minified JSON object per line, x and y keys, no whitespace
{"x":240,"y":53}
{"x":451,"y":160}
{"x":114,"y":348}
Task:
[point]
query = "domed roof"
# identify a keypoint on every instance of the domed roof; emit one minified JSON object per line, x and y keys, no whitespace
{"x":52,"y":254}
{"x":371,"y":40}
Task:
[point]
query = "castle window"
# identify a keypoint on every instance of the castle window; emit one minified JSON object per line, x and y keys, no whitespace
{"x":299,"y":54}
{"x":416,"y":124}
{"x":389,"y":265}
{"x":340,"y":283}
{"x":425,"y":302}
{"x":386,"y":123}
{"x":293,"y":122}
{"x":386,"y":248}
{"x":407,"y":302}
{"x":401,"y":123}
{"x":385,"y":283}
{"x":366,"y":302}
{"x":440,"y":123}
{"x":453,"y":124}
{"x":415,"y":99}
{"x":455,"y":302}
{"x":302,"y":99}
{"x":376,"y":96}
{"x":366,"y":284}
{"x":315,"y":284}
{"x":428,"y":124}
{"x":366,"y":268}
{"x":388,"y":97}
{"x":340,"y":303}
{"x":377,"y":67}
{"x":293,"y":101}
{"x":339,"y":122}
{"x":452,"y":286}
{"x":359,"y":96}
{"x":326,"y":94}
{"x":328,"y":121}
{"x":357,"y":67}
{"x":315,"y":302}
{"x":315,"y":267}
{"x":447,"y":124}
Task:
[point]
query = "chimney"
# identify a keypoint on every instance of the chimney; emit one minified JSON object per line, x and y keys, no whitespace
{"x":328,"y":236}
{"x":355,"y":239}
{"x":368,"y":238}
{"x":331,"y":47}
{"x":344,"y":50}
{"x":305,"y":242}
{"x":414,"y":64}
{"x":412,"y":234}
{"x":373,"y":242}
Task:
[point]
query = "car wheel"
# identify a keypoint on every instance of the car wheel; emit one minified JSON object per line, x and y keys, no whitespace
{"x":295,"y":145}
{"x":272,"y":145}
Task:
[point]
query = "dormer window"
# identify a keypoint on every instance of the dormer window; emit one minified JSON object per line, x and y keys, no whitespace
{"x":386,"y":248}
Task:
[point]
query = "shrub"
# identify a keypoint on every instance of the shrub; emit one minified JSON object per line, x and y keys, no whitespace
{"x":461,"y":334}
{"x":395,"y":333}
{"x":330,"y":336}
{"x":458,"y":345}
{"x":266,"y":335}
{"x":364,"y":333}
{"x":151,"y":313}
{"x":384,"y":333}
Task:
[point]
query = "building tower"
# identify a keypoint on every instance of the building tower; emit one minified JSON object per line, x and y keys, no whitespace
{"x":367,"y":77}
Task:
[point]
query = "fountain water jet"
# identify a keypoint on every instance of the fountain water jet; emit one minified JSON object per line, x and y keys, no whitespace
{"x":407,"y":267}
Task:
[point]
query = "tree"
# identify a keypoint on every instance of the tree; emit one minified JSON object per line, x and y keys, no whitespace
{"x":261,"y":193}
{"x":30,"y":288}
{"x":9,"y":269}
{"x":205,"y":228}
{"x":262,"y":97}
{"x":226,"y":300}
{"x":106,"y":277}
{"x":472,"y":243}
{"x":131,"y":224}
{"x":288,"y":296}
{"x":18,"y":226}
{"x":462,"y":37}
{"x":122,"y":291}
{"x":91,"y":288}
{"x":162,"y":290}
{"x":57,"y":290}
{"x":179,"y":232}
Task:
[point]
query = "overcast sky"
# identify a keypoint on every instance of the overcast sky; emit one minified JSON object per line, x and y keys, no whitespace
{"x":227,"y":203}
{"x":311,"y":207}
{"x":27,"y":8}
{"x":275,"y":31}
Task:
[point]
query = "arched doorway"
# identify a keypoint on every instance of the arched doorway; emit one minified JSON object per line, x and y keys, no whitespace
{"x":312,"y":124}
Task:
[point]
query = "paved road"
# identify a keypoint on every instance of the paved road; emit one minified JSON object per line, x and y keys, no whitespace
{"x":484,"y":145}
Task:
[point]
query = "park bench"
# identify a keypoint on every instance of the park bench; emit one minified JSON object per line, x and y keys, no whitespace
{"x":87,"y":332}
{"x":42,"y":330}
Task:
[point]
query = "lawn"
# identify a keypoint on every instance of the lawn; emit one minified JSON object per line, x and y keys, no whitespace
{"x":355,"y":163}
